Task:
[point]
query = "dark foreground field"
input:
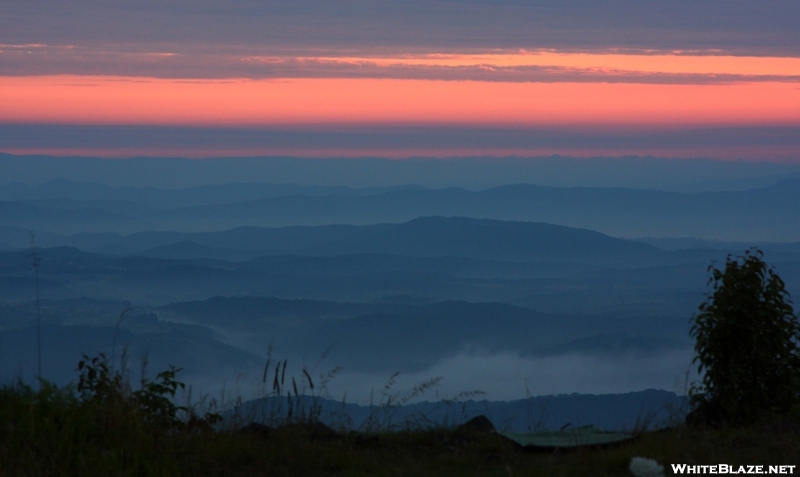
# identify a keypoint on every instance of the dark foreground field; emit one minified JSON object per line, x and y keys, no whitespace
{"x":99,"y":431}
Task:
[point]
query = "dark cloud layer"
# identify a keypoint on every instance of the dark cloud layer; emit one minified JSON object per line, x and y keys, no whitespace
{"x":437,"y":140}
{"x":17,"y":136}
{"x":769,"y":27}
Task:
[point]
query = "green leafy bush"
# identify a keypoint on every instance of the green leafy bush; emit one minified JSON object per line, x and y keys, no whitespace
{"x":747,"y":343}
{"x":153,"y":402}
{"x":101,"y":426}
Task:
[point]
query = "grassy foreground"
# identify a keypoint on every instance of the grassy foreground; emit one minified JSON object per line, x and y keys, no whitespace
{"x":101,"y":431}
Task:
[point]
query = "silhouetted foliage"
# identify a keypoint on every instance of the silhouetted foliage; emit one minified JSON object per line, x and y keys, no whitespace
{"x":747,"y":344}
{"x":98,"y":383}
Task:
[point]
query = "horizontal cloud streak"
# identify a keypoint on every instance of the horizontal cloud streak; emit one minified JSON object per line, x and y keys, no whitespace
{"x":654,"y":68}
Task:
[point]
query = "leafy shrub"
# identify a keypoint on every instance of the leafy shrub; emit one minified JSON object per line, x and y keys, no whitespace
{"x":747,"y":343}
{"x":99,"y":426}
{"x":153,"y":402}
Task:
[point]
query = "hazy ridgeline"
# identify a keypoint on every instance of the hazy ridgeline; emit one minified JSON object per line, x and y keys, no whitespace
{"x":502,"y":275}
{"x":629,"y":197}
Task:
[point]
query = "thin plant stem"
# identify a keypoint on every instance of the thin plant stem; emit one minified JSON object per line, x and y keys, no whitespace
{"x":35,"y":263}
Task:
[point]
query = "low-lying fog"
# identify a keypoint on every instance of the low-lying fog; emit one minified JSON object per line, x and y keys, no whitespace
{"x":499,"y":377}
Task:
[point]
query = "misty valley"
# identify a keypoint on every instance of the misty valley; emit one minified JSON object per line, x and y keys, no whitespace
{"x":514,"y":291}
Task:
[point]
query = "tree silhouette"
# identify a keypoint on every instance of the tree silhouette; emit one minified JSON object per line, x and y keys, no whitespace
{"x":747,"y":343}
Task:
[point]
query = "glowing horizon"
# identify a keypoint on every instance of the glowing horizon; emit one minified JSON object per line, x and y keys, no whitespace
{"x":147,"y":101}
{"x":522,"y":89}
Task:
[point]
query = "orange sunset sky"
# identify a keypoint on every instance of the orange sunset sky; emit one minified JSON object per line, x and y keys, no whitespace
{"x":61,"y":79}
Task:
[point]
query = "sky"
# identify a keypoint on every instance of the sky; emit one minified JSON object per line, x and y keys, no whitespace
{"x":388,"y":78}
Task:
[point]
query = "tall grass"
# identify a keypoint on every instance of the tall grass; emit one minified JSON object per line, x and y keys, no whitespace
{"x":102,"y":426}
{"x":96,"y":427}
{"x":35,"y":262}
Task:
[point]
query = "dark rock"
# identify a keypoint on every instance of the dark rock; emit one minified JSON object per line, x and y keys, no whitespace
{"x":365,"y":440}
{"x":314,"y":430}
{"x":256,"y":429}
{"x":477,"y":424}
{"x":319,"y":430}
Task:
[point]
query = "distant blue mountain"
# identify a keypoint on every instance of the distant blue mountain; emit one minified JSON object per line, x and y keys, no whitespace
{"x":765,"y":214}
{"x":179,"y":197}
{"x":470,"y":172}
{"x":404,"y":337}
{"x":425,"y":236}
